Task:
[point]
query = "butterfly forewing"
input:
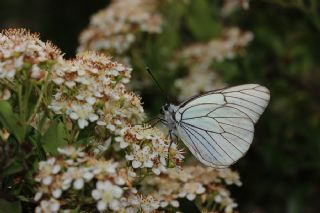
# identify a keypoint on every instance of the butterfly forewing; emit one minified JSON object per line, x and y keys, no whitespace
{"x":218,"y":126}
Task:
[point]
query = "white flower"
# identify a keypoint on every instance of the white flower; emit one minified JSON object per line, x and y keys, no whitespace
{"x":107,"y":195}
{"x":123,"y":144}
{"x":175,"y":203}
{"x":88,"y":176}
{"x":229,"y":208}
{"x":82,"y":123}
{"x":58,"y":81}
{"x":57,"y":193}
{"x":5,"y":94}
{"x":56,"y":169}
{"x":91,"y":100}
{"x":120,"y":181}
{"x":47,"y":180}
{"x":72,"y":152}
{"x":35,"y":71}
{"x":136,"y":164}
{"x":51,"y":205}
{"x":218,"y":199}
{"x":66,"y":182}
{"x":101,"y":205}
{"x":47,"y":169}
{"x":111,"y":127}
{"x":105,"y":168}
{"x":191,"y":189}
{"x":230,"y":177}
{"x":82,"y":113}
{"x":191,"y":197}
{"x":149,"y":203}
{"x":38,"y":196}
{"x":78,"y":184}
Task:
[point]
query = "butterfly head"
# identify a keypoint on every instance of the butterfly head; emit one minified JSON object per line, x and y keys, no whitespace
{"x":168,"y":110}
{"x":164,"y":108}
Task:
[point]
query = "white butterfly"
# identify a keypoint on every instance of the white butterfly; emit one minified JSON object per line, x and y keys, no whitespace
{"x":218,"y":126}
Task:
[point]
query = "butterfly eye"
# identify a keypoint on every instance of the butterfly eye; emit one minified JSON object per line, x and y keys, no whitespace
{"x":161,"y":111}
{"x":164,"y":108}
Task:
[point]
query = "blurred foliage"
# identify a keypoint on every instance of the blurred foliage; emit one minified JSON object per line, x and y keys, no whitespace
{"x":281,"y":172}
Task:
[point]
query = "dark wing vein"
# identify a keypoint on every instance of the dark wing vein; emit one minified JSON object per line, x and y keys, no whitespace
{"x":222,"y":106}
{"x":237,"y":137}
{"x":233,"y":126}
{"x":191,"y":140}
{"x":268,"y":93}
{"x":187,"y":131}
{"x":220,"y":146}
{"x":207,"y":116}
{"x":245,"y":101}
{"x":221,"y":136}
{"x":190,"y":129}
{"x":230,"y":105}
{"x":253,"y":88}
{"x":218,"y":91}
{"x":196,"y":106}
{"x":241,"y":91}
{"x":223,"y":91}
{"x":232,"y":144}
{"x":185,"y":123}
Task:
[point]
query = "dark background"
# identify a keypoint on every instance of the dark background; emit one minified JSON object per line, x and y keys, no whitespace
{"x":59,"y":21}
{"x":281,"y":172}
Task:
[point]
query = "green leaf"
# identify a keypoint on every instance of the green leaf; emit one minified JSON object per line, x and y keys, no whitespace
{"x":168,"y":41}
{"x":56,"y":136}
{"x":47,"y":65}
{"x":201,"y":21}
{"x":12,"y":168}
{"x":10,"y":121}
{"x":23,"y":198}
{"x":12,"y":207}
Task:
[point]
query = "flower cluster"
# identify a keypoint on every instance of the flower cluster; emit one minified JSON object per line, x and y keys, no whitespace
{"x":147,"y":147}
{"x":231,"y":5}
{"x":231,"y":42}
{"x":194,"y":182}
{"x":75,"y":175}
{"x":23,"y":56}
{"x":103,"y":182}
{"x":91,"y":88}
{"x":141,"y":169}
{"x":114,"y":28}
{"x":199,"y":57}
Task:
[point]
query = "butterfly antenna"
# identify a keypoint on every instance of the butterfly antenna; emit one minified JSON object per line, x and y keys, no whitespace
{"x":155,"y":80}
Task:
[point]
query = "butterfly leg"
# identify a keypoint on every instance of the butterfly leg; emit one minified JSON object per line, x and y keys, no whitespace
{"x":154,"y":121}
{"x":171,"y":140}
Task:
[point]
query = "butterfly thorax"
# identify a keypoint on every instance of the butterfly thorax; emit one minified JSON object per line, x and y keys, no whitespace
{"x":169,"y":115}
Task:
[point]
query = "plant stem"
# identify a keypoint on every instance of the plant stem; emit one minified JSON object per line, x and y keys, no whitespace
{"x":43,"y":89}
{"x":21,"y":111}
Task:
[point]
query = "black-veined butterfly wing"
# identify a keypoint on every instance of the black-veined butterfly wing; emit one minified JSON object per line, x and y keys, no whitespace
{"x":218,"y":126}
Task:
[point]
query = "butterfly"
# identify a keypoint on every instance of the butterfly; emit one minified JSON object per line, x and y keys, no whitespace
{"x":218,"y":126}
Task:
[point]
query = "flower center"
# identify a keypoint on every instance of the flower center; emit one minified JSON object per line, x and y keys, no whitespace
{"x":107,"y":197}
